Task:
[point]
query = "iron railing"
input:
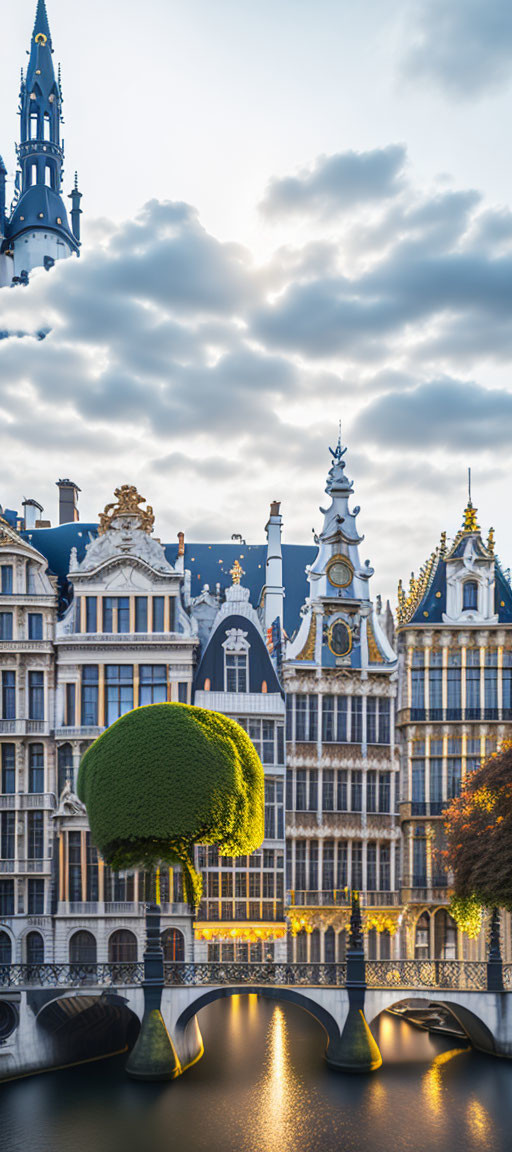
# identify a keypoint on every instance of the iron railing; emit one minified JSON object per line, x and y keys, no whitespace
{"x":341,"y":897}
{"x":403,"y":975}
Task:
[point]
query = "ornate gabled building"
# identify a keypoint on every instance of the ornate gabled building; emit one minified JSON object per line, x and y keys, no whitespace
{"x":454,"y":636}
{"x":35,"y":232}
{"x":242,"y":915}
{"x":340,"y":678}
{"x":28,"y":614}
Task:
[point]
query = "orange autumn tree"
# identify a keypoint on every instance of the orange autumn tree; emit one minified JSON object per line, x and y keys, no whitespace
{"x":478,"y":827}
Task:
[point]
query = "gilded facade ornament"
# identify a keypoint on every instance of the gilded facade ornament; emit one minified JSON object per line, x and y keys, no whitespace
{"x":308,"y":651}
{"x":236,"y":572}
{"x":128,"y":504}
{"x":374,"y":652}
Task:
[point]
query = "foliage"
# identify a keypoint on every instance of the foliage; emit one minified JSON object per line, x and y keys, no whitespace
{"x":467,"y":913}
{"x":167,"y":776}
{"x":479,"y":837}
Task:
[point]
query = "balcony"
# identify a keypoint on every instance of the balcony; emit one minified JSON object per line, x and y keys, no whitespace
{"x":341,"y":898}
{"x":22,"y":867}
{"x":83,"y":732}
{"x":456,"y":715}
{"x":417,"y":889}
{"x":410,"y":808}
{"x":24,"y":728}
{"x":116,"y":908}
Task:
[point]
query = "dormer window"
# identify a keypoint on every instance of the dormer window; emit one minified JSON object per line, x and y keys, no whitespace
{"x":236,"y":660}
{"x":470,"y":595}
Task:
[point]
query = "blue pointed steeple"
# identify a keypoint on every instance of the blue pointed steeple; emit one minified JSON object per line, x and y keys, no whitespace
{"x":38,"y":232}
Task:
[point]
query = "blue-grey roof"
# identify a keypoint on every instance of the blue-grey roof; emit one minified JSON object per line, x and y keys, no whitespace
{"x":207,"y":563}
{"x":433,"y":605}
{"x":36,"y":200}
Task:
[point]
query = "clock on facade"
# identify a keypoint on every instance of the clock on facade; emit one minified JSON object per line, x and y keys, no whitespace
{"x":340,"y":572}
{"x":339,"y":638}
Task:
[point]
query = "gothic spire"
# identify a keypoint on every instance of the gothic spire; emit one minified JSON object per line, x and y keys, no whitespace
{"x":41,"y":25}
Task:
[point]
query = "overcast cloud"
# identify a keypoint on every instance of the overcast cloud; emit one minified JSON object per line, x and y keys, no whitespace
{"x":215,"y":382}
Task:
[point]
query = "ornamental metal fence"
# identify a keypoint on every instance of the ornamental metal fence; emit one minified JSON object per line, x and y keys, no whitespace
{"x":414,"y":975}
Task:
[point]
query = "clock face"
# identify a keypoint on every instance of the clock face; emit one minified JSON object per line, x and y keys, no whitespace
{"x":340,"y":638}
{"x":340,"y":572}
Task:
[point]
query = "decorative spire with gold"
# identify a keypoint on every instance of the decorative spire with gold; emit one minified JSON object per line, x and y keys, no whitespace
{"x":236,"y":572}
{"x":128,"y":504}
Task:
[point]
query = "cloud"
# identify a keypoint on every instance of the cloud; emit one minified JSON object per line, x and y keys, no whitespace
{"x":337,"y":183}
{"x":176,"y":362}
{"x":463,"y":46}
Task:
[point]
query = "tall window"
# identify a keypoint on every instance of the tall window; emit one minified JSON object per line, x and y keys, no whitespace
{"x":5,"y":625}
{"x":182,"y":692}
{"x":123,"y":614}
{"x":236,"y":672}
{"x":417,"y":684}
{"x":357,"y":864}
{"x":436,"y":685}
{"x":34,"y":122}
{"x":371,"y":720}
{"x":7,"y":835}
{"x":46,"y":126}
{"x":274,"y":810}
{"x":36,"y":768}
{"x":263,"y":735}
{"x":454,"y":689}
{"x":6,"y":582}
{"x":436,"y":776}
{"x":419,"y":860}
{"x":371,"y":791}
{"x":35,"y":626}
{"x":356,"y":734}
{"x":75,"y":866}
{"x":328,"y":866}
{"x":158,"y":613}
{"x":334,"y":719}
{"x":328,"y":790}
{"x":473,"y":684}
{"x":6,"y":897}
{"x":491,"y":685}
{"x":153,"y":684}
{"x":385,"y":868}
{"x":90,"y":694}
{"x":122,"y":946}
{"x":384,"y":791}
{"x":8,"y":769}
{"x":91,"y":614}
{"x":48,"y":175}
{"x":141,"y":613}
{"x":453,"y":771}
{"x":371,"y":867}
{"x":116,"y":614}
{"x":64,"y":765}
{"x":35,"y":948}
{"x":5,"y":948}
{"x":35,"y":835}
{"x":470,"y":595}
{"x":92,"y":869}
{"x":418,"y":777}
{"x":507,"y":684}
{"x":35,"y":897}
{"x":82,"y":948}
{"x":118,"y":691}
{"x":70,"y":708}
{"x":384,"y":735}
{"x":356,"y":797}
{"x":36,"y":695}
{"x":9,"y":695}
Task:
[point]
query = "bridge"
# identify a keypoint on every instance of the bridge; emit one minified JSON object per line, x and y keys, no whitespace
{"x":59,"y":1014}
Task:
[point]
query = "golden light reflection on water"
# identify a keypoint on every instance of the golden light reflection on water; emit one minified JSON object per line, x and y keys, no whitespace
{"x":432,"y":1082}
{"x":281,"y":1099}
{"x":479,"y":1122}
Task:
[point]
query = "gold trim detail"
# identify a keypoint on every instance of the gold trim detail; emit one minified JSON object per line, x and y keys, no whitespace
{"x":340,"y":559}
{"x":128,"y":501}
{"x":329,"y":638}
{"x":250,"y":933}
{"x":308,"y":651}
{"x":374,"y":652}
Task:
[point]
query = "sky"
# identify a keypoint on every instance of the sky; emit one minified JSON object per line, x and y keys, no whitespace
{"x":295,"y":213}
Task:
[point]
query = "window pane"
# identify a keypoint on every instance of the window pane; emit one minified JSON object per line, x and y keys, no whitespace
{"x":9,"y":695}
{"x":91,"y":614}
{"x":141,"y":613}
{"x":8,"y":769}
{"x":108,"y":613}
{"x":36,"y":768}
{"x":90,"y":694}
{"x":123,"y":614}
{"x":5,"y":625}
{"x":6,"y":582}
{"x":36,"y":695}
{"x":158,"y":613}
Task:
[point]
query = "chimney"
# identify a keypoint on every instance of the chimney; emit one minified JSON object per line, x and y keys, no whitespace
{"x":274,"y":591}
{"x":33,"y":510}
{"x":68,"y":501}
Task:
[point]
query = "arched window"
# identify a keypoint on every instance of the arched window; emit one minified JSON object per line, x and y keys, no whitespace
{"x":82,"y":948}
{"x":315,"y":946}
{"x":33,"y":125}
{"x":329,"y":945}
{"x":36,"y":768}
{"x":302,"y":947}
{"x":385,"y":945}
{"x":122,"y":946}
{"x":173,"y":944}
{"x":65,"y":765}
{"x":35,"y":948}
{"x":5,"y":948}
{"x":341,"y":949}
{"x":372,"y":944}
{"x":445,"y":936}
{"x":470,"y":595}
{"x":422,"y":942}
{"x":46,"y":126}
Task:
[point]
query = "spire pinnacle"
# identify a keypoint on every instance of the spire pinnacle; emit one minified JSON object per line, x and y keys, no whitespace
{"x":470,"y":523}
{"x":237,"y":572}
{"x":41,"y":34}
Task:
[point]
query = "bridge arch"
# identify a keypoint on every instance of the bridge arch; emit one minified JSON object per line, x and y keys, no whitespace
{"x":477,"y":1031}
{"x":280,"y":993}
{"x":88,"y":1024}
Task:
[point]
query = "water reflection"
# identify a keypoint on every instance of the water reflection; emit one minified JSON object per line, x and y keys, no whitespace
{"x":263,"y":1086}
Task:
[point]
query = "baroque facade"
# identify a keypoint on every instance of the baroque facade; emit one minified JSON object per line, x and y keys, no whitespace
{"x":362,"y":746}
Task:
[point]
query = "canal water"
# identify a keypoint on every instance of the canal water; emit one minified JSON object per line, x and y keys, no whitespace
{"x":262,"y":1086}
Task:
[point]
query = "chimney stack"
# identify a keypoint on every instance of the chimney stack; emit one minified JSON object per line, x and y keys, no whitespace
{"x":68,"y":501}
{"x":33,"y":510}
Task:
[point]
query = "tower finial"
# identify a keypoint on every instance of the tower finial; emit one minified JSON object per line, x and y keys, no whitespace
{"x":469,"y":485}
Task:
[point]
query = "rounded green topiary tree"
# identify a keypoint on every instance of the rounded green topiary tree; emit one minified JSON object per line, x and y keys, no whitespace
{"x":165,"y":777}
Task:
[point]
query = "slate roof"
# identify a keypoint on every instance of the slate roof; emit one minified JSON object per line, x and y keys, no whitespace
{"x":207,"y":563}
